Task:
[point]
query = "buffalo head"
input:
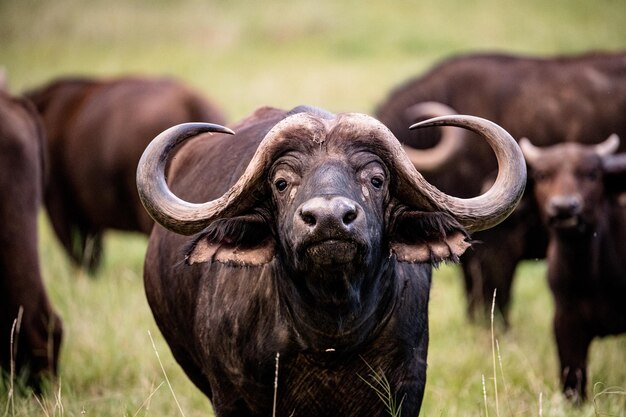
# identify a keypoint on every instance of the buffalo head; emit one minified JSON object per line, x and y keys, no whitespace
{"x":332,"y":183}
{"x":569,"y":181}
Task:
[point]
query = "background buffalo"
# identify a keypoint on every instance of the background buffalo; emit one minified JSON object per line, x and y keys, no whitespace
{"x":579,"y":190}
{"x":96,"y":131}
{"x":577,"y":98}
{"x":30,"y":330}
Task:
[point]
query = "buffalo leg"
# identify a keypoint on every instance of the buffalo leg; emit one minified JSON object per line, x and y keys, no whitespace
{"x":573,"y":346}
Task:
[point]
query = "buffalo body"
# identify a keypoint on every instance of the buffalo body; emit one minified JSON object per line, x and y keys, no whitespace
{"x":97,"y":130}
{"x":579,"y":190}
{"x":309,"y":266}
{"x":30,"y":330}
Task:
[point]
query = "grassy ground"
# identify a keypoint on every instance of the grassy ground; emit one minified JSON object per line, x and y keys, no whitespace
{"x":339,"y":55}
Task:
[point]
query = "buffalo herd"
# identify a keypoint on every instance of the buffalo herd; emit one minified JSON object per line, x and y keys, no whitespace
{"x":578,"y":99}
{"x":299,"y":244}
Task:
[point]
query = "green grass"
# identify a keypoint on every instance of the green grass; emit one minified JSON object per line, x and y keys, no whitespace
{"x":341,"y":55}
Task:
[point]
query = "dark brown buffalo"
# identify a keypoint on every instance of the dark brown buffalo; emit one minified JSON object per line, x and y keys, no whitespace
{"x":97,"y":130}
{"x":552,"y":100}
{"x":579,"y":190}
{"x":30,"y":331}
{"x":310,"y":261}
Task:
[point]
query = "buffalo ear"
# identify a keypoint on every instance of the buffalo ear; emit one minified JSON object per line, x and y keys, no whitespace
{"x":238,"y":241}
{"x":205,"y":251}
{"x":614,"y":168}
{"x":428,"y":237}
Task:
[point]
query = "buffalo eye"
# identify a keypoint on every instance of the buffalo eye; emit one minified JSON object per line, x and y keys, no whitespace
{"x":373,"y":172}
{"x":541,"y":176}
{"x":281,"y":184}
{"x":590,"y":175}
{"x":377,"y":182}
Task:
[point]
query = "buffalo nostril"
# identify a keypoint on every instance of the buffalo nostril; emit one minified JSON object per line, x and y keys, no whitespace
{"x":308,"y":219}
{"x":334,"y":213}
{"x":349,"y":217}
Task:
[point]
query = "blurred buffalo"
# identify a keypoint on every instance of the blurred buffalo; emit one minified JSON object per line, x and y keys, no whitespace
{"x":30,"y":330}
{"x":579,"y":190}
{"x":97,"y":130}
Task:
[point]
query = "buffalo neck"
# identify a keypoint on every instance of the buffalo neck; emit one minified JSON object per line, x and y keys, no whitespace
{"x":578,"y":255}
{"x":321,"y":323}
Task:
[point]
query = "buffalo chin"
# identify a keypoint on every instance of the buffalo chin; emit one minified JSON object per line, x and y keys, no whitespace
{"x":569,"y":223}
{"x":332,"y":252}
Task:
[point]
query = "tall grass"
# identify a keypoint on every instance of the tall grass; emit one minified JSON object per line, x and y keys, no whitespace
{"x":341,"y":55}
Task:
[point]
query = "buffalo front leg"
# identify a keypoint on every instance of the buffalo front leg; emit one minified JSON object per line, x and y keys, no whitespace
{"x":573,"y":345}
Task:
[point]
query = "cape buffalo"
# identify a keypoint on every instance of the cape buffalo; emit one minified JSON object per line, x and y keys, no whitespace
{"x":308,"y":273}
{"x":30,"y":331}
{"x":580,"y":192}
{"x":552,"y":100}
{"x":97,"y":130}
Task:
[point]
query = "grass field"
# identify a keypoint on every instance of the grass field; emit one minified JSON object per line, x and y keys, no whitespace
{"x":341,"y":55}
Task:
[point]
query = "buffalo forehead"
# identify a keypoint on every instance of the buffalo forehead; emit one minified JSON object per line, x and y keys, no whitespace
{"x":568,"y":155}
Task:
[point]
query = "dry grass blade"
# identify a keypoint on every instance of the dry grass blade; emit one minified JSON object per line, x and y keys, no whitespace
{"x":165,"y":375}
{"x":382,"y":388}
{"x":275,"y":384}
{"x":619,"y":391}
{"x":485,"y":395}
{"x":493,"y":353}
{"x":146,"y":402}
{"x":57,"y":408}
{"x":15,"y":332}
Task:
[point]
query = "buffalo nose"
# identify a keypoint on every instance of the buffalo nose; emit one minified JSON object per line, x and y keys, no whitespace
{"x":568,"y":205}
{"x":334,"y":212}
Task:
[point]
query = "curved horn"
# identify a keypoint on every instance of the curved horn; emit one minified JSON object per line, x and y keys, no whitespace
{"x":500,"y":200}
{"x":187,"y":218}
{"x":608,"y":147}
{"x":475,"y":214}
{"x":530,"y":151}
{"x":450,"y":144}
{"x":162,"y":205}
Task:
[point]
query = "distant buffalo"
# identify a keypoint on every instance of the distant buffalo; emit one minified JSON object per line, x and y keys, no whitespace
{"x":97,"y":130}
{"x":30,"y":330}
{"x":309,"y":269}
{"x":552,"y":100}
{"x":580,"y":191}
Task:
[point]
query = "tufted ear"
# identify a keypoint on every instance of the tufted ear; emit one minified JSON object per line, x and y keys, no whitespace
{"x":239,"y":241}
{"x":428,"y":237}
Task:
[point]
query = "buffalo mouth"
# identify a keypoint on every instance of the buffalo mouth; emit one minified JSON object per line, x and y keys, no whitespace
{"x":563,"y":221}
{"x":331,"y":252}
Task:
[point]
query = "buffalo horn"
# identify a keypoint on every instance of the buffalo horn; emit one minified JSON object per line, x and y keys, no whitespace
{"x":475,"y":213}
{"x":164,"y":207}
{"x":490,"y":208}
{"x":450,"y":144}
{"x":187,"y":218}
{"x":609,"y":146}
{"x":530,"y":151}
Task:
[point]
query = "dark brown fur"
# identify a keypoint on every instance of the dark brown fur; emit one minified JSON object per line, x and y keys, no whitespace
{"x":97,"y":130}
{"x":550,"y":100}
{"x":583,"y":208}
{"x":37,"y":342}
{"x":333,"y":326}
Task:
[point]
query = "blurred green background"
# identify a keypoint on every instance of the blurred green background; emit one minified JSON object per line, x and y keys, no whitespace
{"x":340,"y":55}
